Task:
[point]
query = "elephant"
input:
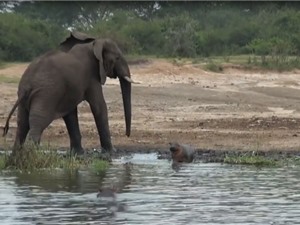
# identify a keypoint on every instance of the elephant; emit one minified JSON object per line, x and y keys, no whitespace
{"x":181,"y":152}
{"x":55,"y":83}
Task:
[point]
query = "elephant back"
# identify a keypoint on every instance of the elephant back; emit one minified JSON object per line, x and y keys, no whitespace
{"x":74,"y":39}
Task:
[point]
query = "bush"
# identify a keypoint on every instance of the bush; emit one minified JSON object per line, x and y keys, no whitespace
{"x":22,"y":39}
{"x":182,"y":29}
{"x":214,"y":67}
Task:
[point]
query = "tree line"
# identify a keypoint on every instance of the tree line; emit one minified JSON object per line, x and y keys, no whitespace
{"x":164,"y":29}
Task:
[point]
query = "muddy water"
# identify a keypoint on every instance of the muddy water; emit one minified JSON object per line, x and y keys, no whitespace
{"x":151,"y":192}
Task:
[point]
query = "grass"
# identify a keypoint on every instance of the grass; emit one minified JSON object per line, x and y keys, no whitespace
{"x":6,"y":79}
{"x":262,"y":161}
{"x":4,"y":64}
{"x":212,"y":63}
{"x":293,"y":161}
{"x":99,"y":166}
{"x":32,"y":158}
{"x":277,"y":63}
{"x":214,"y":67}
{"x":255,"y":160}
{"x":2,"y":162}
{"x":216,"y":63}
{"x":137,"y":59}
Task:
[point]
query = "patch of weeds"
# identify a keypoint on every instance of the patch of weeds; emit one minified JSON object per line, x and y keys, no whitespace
{"x":214,"y":67}
{"x":275,"y":62}
{"x":99,"y":166}
{"x":177,"y":61}
{"x":6,"y":79}
{"x":2,"y":64}
{"x":70,"y":163}
{"x":292,"y":161}
{"x":196,"y":60}
{"x":136,"y":60}
{"x":3,"y":159}
{"x":32,"y":157}
{"x":226,"y":58}
{"x":255,"y":160}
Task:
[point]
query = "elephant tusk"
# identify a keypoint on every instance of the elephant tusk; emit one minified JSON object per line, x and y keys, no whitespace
{"x":130,"y":80}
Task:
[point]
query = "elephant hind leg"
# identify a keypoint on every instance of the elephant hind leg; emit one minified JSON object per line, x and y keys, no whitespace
{"x":39,"y":120}
{"x":23,"y":127}
{"x":71,"y":121}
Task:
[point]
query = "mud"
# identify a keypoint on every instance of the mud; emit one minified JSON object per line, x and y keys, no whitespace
{"x":233,"y":111}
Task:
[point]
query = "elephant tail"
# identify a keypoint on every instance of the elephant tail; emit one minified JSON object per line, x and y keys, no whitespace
{"x":6,"y":127}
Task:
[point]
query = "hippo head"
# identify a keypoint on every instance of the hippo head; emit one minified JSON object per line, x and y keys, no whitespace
{"x":177,"y":152}
{"x":174,"y":146}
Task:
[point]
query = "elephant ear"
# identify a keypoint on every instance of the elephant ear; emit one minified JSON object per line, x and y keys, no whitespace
{"x":75,"y":37}
{"x":98,"y":47}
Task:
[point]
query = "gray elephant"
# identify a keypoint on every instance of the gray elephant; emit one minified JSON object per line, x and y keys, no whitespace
{"x":55,"y":83}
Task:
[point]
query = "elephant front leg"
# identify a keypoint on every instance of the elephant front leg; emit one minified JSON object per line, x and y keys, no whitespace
{"x":99,"y":110}
{"x":71,"y":121}
{"x":101,"y":119}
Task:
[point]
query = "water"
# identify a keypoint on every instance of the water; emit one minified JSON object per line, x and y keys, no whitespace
{"x":151,"y":192}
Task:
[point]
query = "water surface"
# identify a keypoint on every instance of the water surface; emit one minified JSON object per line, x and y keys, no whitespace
{"x":151,"y":192}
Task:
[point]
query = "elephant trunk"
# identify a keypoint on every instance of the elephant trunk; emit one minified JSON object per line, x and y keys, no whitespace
{"x":126,"y":95}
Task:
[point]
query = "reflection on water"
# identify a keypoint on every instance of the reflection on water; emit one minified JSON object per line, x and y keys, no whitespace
{"x":149,"y":191}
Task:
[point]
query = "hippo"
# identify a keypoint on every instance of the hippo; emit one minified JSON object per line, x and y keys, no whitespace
{"x":107,"y":193}
{"x":181,"y":152}
{"x":110,"y":195}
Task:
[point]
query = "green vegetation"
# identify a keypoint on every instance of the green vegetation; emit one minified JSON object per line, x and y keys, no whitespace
{"x":2,"y":162}
{"x":262,"y":161}
{"x":6,"y":79}
{"x":293,"y":161}
{"x":266,"y":32}
{"x":33,"y":158}
{"x":250,"y":160}
{"x":2,"y":64}
{"x":280,"y":63}
{"x":214,"y":67}
{"x":23,"y":38}
{"x":99,"y":166}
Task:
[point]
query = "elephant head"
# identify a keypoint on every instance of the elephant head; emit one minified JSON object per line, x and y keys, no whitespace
{"x":113,"y":64}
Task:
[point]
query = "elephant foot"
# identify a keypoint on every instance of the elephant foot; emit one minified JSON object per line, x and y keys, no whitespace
{"x":110,"y":150}
{"x":96,"y":154}
{"x":77,"y":152}
{"x":105,"y":156}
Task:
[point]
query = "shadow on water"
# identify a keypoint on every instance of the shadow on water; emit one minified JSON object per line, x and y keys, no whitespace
{"x":150,"y":191}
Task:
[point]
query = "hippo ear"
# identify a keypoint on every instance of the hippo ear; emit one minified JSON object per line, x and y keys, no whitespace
{"x":75,"y":37}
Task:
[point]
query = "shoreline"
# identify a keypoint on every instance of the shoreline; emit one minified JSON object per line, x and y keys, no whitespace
{"x":201,"y":155}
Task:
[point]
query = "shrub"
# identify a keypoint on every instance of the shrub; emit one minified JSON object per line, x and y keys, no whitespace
{"x":22,"y":39}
